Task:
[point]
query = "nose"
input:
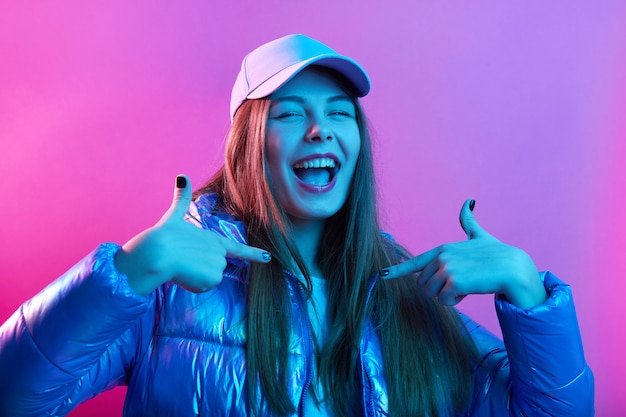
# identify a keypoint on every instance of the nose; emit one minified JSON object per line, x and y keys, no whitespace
{"x":319,"y":131}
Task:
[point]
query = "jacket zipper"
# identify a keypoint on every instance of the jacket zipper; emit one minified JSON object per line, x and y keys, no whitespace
{"x":308,"y":345}
{"x":369,"y":407}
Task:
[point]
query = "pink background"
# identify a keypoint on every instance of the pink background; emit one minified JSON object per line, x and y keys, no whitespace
{"x":520,"y":106}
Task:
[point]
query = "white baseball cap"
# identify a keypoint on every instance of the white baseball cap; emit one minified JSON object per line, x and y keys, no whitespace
{"x":271,"y":65}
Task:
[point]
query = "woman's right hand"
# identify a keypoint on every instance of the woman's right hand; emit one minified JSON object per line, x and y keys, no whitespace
{"x":175,"y":250}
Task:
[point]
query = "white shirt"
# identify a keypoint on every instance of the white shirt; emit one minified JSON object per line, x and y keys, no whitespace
{"x":317,"y":315}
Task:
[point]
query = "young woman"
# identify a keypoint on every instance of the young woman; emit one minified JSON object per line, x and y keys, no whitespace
{"x":273,"y":291}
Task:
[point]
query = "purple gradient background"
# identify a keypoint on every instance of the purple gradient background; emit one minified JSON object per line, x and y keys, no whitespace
{"x":519,"y":106}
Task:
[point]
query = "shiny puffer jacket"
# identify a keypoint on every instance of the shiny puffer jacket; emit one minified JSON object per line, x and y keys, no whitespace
{"x":183,"y":354}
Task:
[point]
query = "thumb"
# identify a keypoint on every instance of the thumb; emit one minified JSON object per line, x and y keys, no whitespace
{"x":468,"y":221}
{"x":182,"y":197}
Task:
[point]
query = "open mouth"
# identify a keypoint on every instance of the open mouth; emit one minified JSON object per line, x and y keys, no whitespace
{"x":316,"y":171}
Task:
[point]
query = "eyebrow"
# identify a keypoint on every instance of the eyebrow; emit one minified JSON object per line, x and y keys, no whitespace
{"x":302,"y":100}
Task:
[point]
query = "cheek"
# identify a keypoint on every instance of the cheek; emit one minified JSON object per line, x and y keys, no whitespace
{"x":276,"y":154}
{"x":272,"y":152}
{"x":353,"y":146}
{"x":357,"y":148}
{"x":353,"y":149}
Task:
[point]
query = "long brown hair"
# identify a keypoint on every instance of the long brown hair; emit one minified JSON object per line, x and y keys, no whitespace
{"x":426,"y":356}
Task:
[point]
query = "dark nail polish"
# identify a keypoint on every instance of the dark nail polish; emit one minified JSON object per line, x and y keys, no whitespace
{"x":384,"y":272}
{"x":471,"y":206}
{"x":181,"y":182}
{"x":267,"y":256}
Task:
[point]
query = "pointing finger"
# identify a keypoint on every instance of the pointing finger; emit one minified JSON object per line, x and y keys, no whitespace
{"x":411,"y":266}
{"x":241,"y":251}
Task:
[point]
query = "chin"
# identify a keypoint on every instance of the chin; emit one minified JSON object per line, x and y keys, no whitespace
{"x":315,"y":213}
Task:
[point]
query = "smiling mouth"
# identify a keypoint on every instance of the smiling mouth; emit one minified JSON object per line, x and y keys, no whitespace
{"x":317,"y":171}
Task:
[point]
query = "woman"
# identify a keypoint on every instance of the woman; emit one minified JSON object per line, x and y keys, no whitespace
{"x":275,"y":293}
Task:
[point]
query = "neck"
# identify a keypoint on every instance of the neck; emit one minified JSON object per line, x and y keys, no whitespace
{"x":307,"y":235}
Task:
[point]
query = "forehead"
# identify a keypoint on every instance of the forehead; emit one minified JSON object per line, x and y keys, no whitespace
{"x":310,"y":82}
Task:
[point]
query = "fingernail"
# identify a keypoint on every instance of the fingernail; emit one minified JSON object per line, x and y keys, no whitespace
{"x":181,"y":182}
{"x":384,"y":272}
{"x":472,"y":203}
{"x":267,"y":256}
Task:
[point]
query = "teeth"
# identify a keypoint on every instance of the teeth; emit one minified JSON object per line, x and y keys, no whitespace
{"x":316,"y":163}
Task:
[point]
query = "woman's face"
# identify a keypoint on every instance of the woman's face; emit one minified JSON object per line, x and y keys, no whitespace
{"x":312,"y":144}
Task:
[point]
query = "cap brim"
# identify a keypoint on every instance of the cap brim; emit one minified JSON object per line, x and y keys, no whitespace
{"x":349,"y":68}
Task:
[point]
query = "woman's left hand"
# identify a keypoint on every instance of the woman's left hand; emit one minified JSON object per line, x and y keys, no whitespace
{"x":480,"y":265}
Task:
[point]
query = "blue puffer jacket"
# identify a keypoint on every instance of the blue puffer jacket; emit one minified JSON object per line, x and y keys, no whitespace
{"x":183,"y":354}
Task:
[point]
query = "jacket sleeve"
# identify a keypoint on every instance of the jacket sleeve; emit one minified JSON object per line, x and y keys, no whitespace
{"x":76,"y":338}
{"x":541,"y":369}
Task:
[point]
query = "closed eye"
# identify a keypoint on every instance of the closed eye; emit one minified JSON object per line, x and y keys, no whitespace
{"x":286,"y":115}
{"x":340,"y":113}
